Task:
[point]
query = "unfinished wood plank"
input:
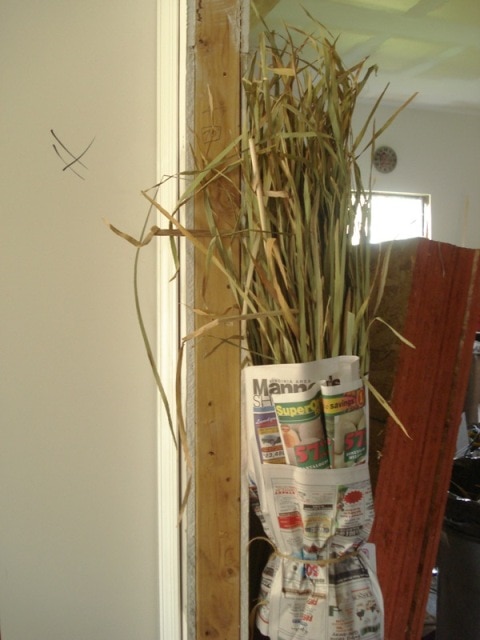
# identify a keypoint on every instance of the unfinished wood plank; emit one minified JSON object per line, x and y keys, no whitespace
{"x":384,"y":347}
{"x":428,"y":395}
{"x":217,"y":467}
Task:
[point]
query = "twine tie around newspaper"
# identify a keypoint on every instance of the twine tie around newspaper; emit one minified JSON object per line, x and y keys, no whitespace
{"x":321,"y":563}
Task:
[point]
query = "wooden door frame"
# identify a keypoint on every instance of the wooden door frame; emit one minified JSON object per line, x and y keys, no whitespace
{"x":217,"y":69}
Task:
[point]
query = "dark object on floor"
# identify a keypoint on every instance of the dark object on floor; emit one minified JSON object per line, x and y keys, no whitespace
{"x":459,"y":555}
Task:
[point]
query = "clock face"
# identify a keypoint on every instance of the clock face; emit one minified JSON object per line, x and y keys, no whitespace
{"x":385,"y":159}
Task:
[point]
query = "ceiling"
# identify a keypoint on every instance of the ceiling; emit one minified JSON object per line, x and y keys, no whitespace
{"x":427,"y":46}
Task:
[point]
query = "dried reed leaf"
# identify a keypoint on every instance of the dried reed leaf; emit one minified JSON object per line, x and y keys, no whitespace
{"x":394,"y":331}
{"x":381,"y":400}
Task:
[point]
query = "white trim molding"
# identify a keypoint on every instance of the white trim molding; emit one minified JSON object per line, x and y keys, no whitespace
{"x":171,"y":74}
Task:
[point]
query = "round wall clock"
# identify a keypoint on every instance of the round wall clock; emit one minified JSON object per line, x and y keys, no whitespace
{"x":384,"y":159}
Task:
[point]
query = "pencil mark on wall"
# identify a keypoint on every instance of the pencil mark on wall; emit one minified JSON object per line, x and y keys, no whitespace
{"x":76,"y":159}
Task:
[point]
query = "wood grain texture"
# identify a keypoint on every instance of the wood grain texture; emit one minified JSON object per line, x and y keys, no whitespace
{"x":428,"y":395}
{"x":217,"y":476}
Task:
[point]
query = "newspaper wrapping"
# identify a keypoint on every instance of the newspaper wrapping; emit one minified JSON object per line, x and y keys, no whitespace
{"x":320,"y":581}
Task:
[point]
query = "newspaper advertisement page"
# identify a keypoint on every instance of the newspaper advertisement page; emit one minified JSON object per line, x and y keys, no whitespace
{"x":318,"y":582}
{"x":262,"y":383}
{"x":345,"y":604}
{"x":345,"y":422}
{"x":318,"y":520}
{"x":300,"y":420}
{"x":318,"y":513}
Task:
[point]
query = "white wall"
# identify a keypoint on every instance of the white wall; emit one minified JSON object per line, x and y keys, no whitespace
{"x":77,"y":405}
{"x":438,"y":154}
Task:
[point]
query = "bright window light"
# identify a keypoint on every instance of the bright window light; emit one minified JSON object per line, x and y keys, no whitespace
{"x":397,"y":216}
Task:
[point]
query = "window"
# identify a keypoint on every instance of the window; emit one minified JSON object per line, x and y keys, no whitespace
{"x":397,"y":216}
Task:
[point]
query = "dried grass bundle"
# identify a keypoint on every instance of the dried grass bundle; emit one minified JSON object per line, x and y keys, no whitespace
{"x":302,"y":191}
{"x":303,"y":290}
